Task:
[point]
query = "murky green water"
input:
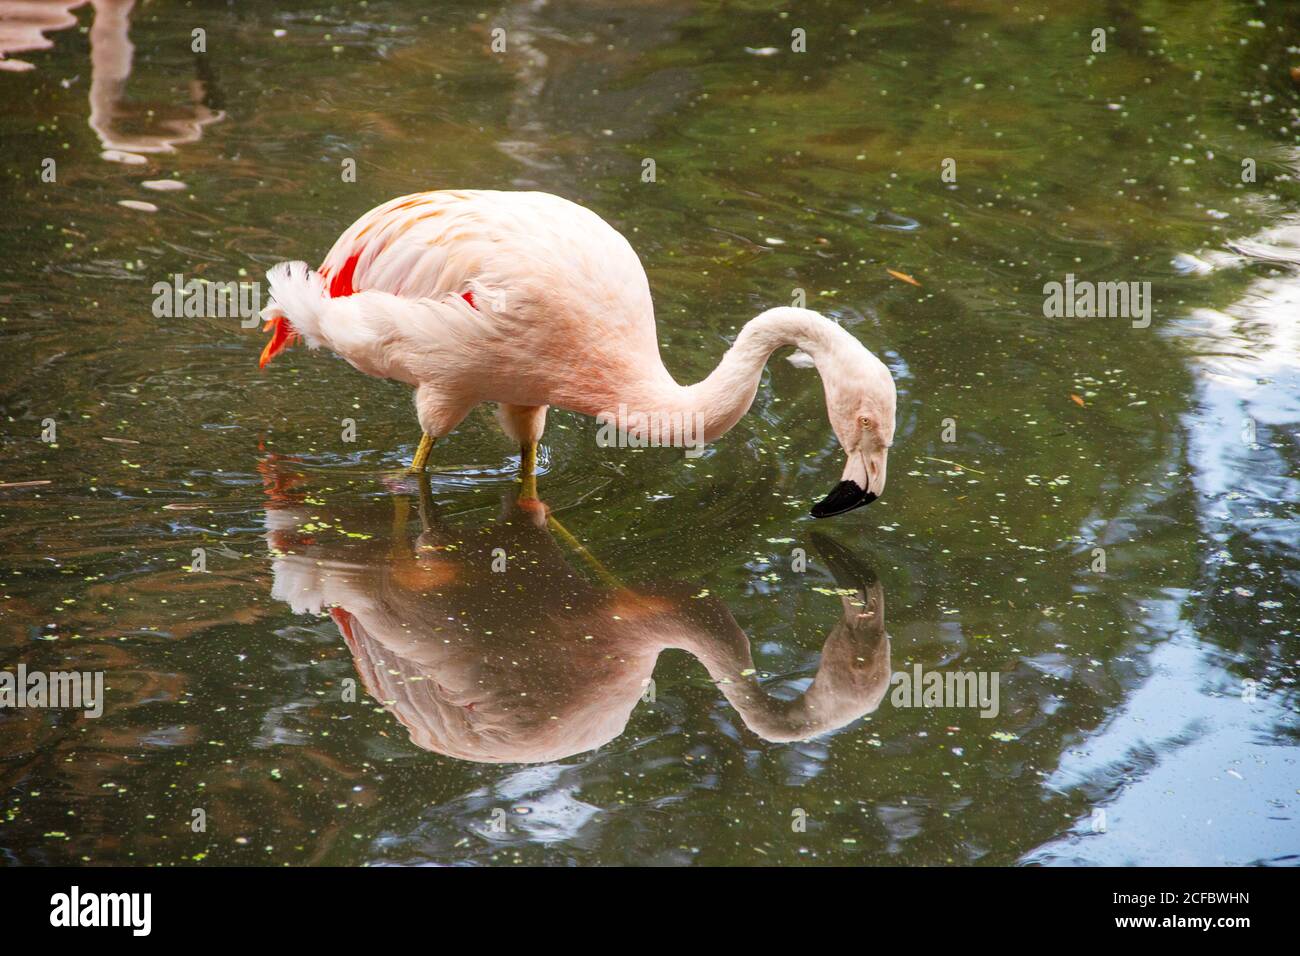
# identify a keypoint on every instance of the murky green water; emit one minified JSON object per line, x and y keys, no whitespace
{"x":350,"y":681}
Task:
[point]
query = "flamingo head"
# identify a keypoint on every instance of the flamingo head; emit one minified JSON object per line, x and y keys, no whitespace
{"x":860,"y":402}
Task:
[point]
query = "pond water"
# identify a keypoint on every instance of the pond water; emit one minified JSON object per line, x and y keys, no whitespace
{"x":1100,"y":511}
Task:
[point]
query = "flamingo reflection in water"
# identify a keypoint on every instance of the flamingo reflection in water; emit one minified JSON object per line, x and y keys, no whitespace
{"x":489,"y":646}
{"x":128,"y":129}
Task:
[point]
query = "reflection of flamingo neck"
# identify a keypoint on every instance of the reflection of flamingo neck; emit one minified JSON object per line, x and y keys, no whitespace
{"x":834,"y":699}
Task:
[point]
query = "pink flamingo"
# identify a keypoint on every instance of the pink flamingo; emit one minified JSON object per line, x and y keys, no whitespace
{"x":528,"y":300}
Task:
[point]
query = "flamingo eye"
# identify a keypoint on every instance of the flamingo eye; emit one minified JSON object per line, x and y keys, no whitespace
{"x":864,"y":421}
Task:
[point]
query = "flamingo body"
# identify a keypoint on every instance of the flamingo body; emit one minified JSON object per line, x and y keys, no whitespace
{"x":528,"y":300}
{"x":435,"y":283}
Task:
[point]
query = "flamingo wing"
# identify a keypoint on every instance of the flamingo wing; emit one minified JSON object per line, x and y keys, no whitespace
{"x":524,"y":275}
{"x":426,"y":245}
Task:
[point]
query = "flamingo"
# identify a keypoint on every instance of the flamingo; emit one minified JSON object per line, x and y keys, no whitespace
{"x":529,"y":300}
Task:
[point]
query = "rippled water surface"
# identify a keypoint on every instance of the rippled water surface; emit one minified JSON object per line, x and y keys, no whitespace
{"x":350,"y":681}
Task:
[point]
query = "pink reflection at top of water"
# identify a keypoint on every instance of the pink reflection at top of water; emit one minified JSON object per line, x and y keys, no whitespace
{"x":23,"y":28}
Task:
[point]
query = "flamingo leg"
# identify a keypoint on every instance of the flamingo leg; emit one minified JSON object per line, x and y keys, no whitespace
{"x":427,"y":510}
{"x":528,"y":469}
{"x":528,"y":492}
{"x":421,"y":456}
{"x":567,"y":537}
{"x":401,"y":515}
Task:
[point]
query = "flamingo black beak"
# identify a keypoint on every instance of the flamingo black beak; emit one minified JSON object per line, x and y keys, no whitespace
{"x":845,"y":496}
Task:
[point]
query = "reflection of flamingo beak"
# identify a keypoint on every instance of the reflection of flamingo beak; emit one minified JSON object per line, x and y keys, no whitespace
{"x":848,"y":569}
{"x":866,"y":607}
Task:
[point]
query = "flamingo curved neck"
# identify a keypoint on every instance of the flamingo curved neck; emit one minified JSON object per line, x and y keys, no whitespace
{"x":700,"y":413}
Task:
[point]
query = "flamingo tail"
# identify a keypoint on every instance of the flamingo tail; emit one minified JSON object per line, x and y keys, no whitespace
{"x":298,"y":299}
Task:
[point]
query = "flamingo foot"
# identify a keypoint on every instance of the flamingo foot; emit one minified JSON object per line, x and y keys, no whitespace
{"x":538,"y":511}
